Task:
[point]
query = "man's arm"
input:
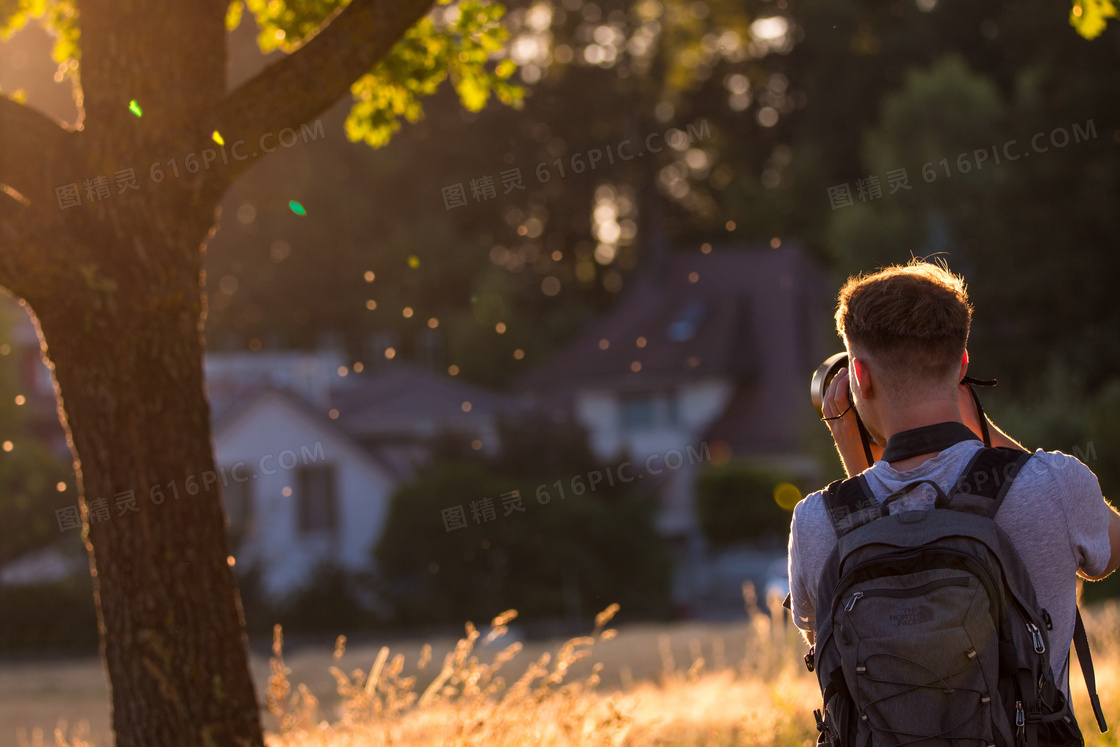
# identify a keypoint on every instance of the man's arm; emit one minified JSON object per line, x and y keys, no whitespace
{"x":1114,"y":544}
{"x":798,"y":592}
{"x":999,"y":438}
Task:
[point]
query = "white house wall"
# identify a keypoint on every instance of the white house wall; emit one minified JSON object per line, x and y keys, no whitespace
{"x":698,"y":405}
{"x":273,"y":434}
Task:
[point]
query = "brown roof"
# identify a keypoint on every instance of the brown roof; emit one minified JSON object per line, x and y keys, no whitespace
{"x":401,"y":395}
{"x":753,"y":314}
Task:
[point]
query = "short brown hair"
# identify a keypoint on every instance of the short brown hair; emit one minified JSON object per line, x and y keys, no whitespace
{"x":912,"y":319}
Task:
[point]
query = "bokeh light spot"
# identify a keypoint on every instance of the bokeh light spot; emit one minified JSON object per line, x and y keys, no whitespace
{"x":786,"y":496}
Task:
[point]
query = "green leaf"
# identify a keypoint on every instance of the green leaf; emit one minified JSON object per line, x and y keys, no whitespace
{"x":59,"y":16}
{"x":467,"y":45}
{"x":233,"y":14}
{"x":285,"y":23}
{"x":1089,"y":17}
{"x":14,"y":14}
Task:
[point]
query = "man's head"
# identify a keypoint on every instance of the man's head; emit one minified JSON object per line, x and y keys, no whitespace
{"x":906,"y":329}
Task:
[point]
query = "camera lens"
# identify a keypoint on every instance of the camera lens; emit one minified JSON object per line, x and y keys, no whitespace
{"x":823,"y":376}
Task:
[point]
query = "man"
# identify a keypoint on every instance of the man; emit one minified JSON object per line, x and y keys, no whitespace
{"x":905,"y":329}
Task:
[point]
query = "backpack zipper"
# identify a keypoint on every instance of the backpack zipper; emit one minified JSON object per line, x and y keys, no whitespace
{"x":1036,"y":638}
{"x":840,"y":584}
{"x":971,"y":562}
{"x":984,"y":574}
{"x":903,"y":593}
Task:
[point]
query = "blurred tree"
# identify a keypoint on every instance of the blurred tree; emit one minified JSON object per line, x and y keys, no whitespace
{"x":1104,"y":435}
{"x":945,"y":109}
{"x":740,"y":502}
{"x":104,"y":227}
{"x":1102,"y":443}
{"x":795,"y":95}
{"x":571,"y":551}
{"x":30,"y":474}
{"x":539,"y":260}
{"x":941,"y":85}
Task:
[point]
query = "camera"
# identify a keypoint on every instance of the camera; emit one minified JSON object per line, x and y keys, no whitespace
{"x":827,"y":371}
{"x":823,"y":376}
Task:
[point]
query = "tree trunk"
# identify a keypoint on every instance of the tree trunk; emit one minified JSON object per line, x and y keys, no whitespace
{"x":116,"y":286}
{"x":127,"y":356}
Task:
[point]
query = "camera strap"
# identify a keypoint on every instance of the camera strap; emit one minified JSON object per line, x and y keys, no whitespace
{"x":925,"y":440}
{"x":866,"y":438}
{"x":937,"y":437}
{"x":972,"y":384}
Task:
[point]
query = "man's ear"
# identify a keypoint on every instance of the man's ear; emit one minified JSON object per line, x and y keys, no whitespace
{"x":964,"y":366}
{"x":862,"y":373}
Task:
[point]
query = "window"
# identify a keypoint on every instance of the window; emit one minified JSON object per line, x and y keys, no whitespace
{"x":316,"y":501}
{"x":637,"y":413}
{"x":647,"y":410}
{"x":687,"y":321}
{"x":237,"y":500}
{"x":672,"y":416}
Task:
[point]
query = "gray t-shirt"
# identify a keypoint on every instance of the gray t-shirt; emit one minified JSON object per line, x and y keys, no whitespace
{"x":1054,"y":514}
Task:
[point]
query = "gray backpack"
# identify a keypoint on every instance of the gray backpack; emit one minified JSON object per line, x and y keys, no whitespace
{"x":935,"y":636}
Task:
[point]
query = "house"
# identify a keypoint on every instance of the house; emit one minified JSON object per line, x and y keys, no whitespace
{"x":308,"y":471}
{"x":711,"y":350}
{"x":298,"y":490}
{"x":309,"y":451}
{"x":395,"y":411}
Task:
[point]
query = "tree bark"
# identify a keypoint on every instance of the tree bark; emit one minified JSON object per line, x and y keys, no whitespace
{"x":117,"y":289}
{"x":127,"y":358}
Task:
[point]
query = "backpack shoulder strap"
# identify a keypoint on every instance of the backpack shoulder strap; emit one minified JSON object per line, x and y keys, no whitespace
{"x":984,"y":483}
{"x":850,"y":504}
{"x":1081,"y":644}
{"x":988,"y":477}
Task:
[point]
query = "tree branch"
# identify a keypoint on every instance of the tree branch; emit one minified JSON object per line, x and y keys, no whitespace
{"x":34,"y":256}
{"x":169,"y":57}
{"x":35,"y":151}
{"x":304,"y":84}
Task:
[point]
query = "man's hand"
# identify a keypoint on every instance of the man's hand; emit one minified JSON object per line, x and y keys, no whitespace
{"x":845,"y":430}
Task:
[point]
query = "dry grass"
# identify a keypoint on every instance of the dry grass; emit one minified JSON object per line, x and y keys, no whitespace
{"x":558,"y":699}
{"x":689,"y":685}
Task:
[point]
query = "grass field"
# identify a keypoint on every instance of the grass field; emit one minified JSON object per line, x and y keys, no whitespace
{"x":685,"y":684}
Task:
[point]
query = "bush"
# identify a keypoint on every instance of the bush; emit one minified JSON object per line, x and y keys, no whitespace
{"x":58,"y":616}
{"x":573,"y":555}
{"x":1103,"y":433}
{"x":1100,"y":448}
{"x":736,"y":503}
{"x":1099,"y":591}
{"x":330,"y":602}
{"x":28,"y":498}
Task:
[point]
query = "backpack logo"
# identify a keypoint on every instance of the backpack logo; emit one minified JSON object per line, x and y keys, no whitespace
{"x":912,"y":616}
